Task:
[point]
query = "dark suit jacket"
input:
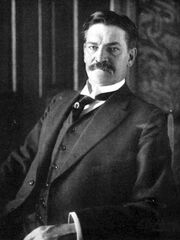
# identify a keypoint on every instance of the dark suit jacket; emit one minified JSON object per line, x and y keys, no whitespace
{"x":117,"y":175}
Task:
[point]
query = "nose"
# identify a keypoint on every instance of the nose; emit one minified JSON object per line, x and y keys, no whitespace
{"x":101,"y":54}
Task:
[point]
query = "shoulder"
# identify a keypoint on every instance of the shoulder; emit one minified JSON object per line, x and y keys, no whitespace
{"x":145,"y":106}
{"x":147,"y":111}
{"x":63,"y":96}
{"x":60,"y":99}
{"x":66,"y":94}
{"x":135,"y":102}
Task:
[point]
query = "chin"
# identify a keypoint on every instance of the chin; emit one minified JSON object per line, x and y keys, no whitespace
{"x":100,"y":78}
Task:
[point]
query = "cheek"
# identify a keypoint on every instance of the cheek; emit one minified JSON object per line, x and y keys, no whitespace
{"x":121,"y":62}
{"x":86,"y":57}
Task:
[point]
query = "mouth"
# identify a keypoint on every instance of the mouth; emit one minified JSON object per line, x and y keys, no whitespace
{"x":106,"y":70}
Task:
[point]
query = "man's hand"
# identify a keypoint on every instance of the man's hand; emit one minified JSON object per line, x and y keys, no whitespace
{"x":52,"y":232}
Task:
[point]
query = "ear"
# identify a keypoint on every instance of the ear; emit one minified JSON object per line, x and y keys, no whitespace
{"x":132,"y":56}
{"x":84,"y":49}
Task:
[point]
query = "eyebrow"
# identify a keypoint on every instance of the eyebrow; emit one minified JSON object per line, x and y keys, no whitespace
{"x":113,"y":43}
{"x":94,"y":43}
{"x":108,"y":44}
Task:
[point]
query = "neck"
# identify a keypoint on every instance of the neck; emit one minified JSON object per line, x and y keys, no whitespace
{"x":93,"y":90}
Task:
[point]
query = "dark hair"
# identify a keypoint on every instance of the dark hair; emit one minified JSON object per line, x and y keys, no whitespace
{"x":111,"y":18}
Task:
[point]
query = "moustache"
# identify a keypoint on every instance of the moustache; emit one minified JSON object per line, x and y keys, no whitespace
{"x":105,"y":66}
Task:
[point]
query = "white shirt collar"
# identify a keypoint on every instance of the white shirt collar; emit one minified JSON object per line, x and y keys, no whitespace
{"x":96,"y":89}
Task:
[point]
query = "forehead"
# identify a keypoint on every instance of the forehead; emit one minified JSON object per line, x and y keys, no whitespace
{"x":105,"y":33}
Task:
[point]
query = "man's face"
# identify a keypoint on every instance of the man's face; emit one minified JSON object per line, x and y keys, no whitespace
{"x":106,"y":46}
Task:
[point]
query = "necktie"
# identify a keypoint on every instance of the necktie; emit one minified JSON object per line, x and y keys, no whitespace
{"x":79,"y":105}
{"x":104,"y":96}
{"x":84,"y":100}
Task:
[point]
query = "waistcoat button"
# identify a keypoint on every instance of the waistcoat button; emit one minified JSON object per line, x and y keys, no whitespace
{"x":73,"y":129}
{"x":63,"y":147}
{"x":39,"y":217}
{"x":55,"y":166}
{"x":42,"y":200}
{"x":31,"y":182}
{"x":44,"y":204}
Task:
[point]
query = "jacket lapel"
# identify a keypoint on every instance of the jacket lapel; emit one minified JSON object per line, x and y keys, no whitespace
{"x":50,"y":131}
{"x":104,"y":121}
{"x":53,"y":122}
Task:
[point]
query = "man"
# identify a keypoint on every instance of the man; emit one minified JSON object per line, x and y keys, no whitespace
{"x":105,"y":169}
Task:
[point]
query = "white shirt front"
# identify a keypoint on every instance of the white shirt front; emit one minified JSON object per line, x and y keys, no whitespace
{"x":92,"y":90}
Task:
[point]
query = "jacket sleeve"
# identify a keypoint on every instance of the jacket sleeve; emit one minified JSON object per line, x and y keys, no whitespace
{"x":152,"y":194}
{"x":14,"y":169}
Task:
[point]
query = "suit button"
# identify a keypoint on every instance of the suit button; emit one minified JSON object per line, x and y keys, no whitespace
{"x":31,"y":182}
{"x":45,"y":114}
{"x":47,"y":185}
{"x":54,"y":100}
{"x":55,"y":166}
{"x":63,"y":147}
{"x":42,"y":200}
{"x":39,"y":217}
{"x":73,"y":129}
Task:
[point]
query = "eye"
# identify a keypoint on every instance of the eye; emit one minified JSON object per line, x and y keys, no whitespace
{"x":114,"y":50}
{"x":92,"y":48}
